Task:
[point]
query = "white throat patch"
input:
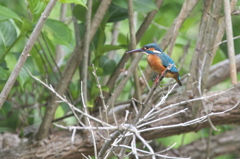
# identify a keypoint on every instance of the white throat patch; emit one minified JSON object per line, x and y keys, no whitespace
{"x":156,"y":51}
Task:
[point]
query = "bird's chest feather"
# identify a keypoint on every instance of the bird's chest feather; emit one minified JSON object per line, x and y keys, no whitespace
{"x":155,"y":63}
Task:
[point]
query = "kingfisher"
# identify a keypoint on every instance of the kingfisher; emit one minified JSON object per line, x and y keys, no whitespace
{"x":159,"y":61}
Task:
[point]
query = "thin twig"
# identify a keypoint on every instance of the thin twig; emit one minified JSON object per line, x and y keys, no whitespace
{"x":199,"y":86}
{"x":145,"y":107}
{"x":108,"y":143}
{"x":165,"y":117}
{"x":105,"y":111}
{"x":144,"y":142}
{"x":144,"y":78}
{"x":134,"y":148}
{"x":88,"y":122}
{"x":163,"y":99}
{"x":225,"y":41}
{"x":86,"y":127}
{"x":148,"y":153}
{"x":69,"y":104}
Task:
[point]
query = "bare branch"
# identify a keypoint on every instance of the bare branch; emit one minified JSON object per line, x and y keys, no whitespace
{"x":225,"y":41}
{"x":98,"y":17}
{"x":229,"y":32}
{"x":207,"y":34}
{"x":220,"y":72}
{"x":86,"y":54}
{"x":132,"y":46}
{"x":221,"y":144}
{"x":187,"y":7}
{"x":88,"y":122}
{"x":66,"y":101}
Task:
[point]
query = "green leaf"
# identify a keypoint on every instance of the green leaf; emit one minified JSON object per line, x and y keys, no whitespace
{"x":188,"y":138}
{"x":3,"y":64}
{"x":109,"y":67}
{"x":58,"y":32}
{"x":74,"y":88}
{"x":70,"y":120}
{"x":27,"y":26}
{"x":103,"y":60}
{"x":10,"y":117}
{"x":6,"y":13}
{"x":139,"y":5}
{"x":3,"y":74}
{"x":80,"y":2}
{"x":144,"y":5}
{"x":220,"y":56}
{"x":105,"y":88}
{"x":106,"y":48}
{"x":24,"y":76}
{"x":79,"y":11}
{"x":117,"y":13}
{"x":11,"y":61}
{"x":36,"y":56}
{"x":99,"y":70}
{"x":36,"y":8}
{"x":59,"y":112}
{"x":8,"y":35}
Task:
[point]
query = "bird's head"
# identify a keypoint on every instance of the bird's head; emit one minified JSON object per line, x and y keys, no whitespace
{"x":148,"y":49}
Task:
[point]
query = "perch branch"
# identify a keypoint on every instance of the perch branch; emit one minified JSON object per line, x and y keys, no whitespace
{"x":145,"y":107}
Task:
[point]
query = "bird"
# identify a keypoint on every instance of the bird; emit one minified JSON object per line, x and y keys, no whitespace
{"x":159,"y":61}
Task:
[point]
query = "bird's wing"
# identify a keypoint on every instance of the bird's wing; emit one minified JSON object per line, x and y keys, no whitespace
{"x":166,"y":60}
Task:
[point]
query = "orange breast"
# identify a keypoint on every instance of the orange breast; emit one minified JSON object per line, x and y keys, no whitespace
{"x":156,"y":64}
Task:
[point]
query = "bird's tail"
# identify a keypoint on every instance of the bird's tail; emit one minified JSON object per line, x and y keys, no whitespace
{"x":178,"y":79}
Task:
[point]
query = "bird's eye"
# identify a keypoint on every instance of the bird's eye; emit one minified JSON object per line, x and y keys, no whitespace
{"x":146,"y":48}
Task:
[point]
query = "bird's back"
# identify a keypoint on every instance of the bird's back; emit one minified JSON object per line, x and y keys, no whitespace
{"x":166,"y":61}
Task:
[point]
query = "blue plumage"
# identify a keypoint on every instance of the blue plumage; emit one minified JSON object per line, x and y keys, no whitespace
{"x":166,"y":60}
{"x":159,"y":61}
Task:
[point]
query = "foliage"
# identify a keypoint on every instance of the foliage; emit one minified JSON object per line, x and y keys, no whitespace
{"x":26,"y":103}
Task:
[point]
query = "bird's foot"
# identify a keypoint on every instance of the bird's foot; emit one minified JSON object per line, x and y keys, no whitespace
{"x":156,"y":80}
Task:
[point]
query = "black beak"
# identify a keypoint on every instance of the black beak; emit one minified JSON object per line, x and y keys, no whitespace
{"x":135,"y":51}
